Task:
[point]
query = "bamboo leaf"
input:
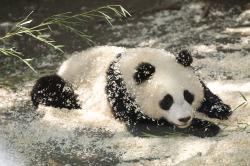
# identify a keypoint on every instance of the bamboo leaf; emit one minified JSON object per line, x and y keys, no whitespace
{"x":243,"y":96}
{"x":29,"y":60}
{"x":107,"y":18}
{"x":17,"y":54}
{"x":125,"y":12}
{"x":222,"y":135}
{"x":49,"y":28}
{"x":3,"y":51}
{"x":26,"y":22}
{"x":239,"y":106}
{"x":66,"y":20}
{"x":245,"y":105}
{"x":27,"y":63}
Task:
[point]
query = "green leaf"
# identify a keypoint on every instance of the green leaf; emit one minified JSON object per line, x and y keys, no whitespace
{"x":107,"y":18}
{"x":239,"y":106}
{"x":27,"y":63}
{"x":67,"y":20}
{"x":29,"y":60}
{"x":243,"y":96}
{"x":49,"y":28}
{"x":26,"y":22}
{"x":245,"y":105}
{"x":222,"y":135}
{"x":125,"y":12}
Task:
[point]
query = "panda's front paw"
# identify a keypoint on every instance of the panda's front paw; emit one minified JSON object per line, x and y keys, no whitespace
{"x":202,"y":128}
{"x":220,"y":111}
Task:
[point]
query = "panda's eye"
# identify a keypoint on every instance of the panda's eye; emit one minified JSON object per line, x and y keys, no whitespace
{"x":189,"y":97}
{"x":166,"y":102}
{"x":143,"y":72}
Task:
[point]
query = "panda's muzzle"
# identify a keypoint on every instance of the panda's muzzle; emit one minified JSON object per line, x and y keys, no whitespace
{"x":176,"y":113}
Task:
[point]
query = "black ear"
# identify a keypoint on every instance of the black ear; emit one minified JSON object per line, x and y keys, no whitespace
{"x":184,"y":58}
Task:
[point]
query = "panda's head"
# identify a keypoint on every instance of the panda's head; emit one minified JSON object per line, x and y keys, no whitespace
{"x":155,"y":83}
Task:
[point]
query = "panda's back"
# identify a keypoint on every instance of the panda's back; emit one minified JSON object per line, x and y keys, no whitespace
{"x":87,"y":66}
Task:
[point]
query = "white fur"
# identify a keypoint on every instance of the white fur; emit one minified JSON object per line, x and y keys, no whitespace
{"x":87,"y":73}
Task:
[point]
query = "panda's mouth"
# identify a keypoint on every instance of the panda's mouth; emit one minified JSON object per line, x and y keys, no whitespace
{"x":183,"y":126}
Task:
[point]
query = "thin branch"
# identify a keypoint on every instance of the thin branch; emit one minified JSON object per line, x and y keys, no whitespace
{"x":65,"y":20}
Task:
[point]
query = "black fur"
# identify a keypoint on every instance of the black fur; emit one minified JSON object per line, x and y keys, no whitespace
{"x":122,"y":103}
{"x":200,"y":128}
{"x":127,"y":110}
{"x":189,"y":97}
{"x":53,"y":91}
{"x":143,"y":72}
{"x":184,"y":58}
{"x":166,"y":102}
{"x":213,"y":106}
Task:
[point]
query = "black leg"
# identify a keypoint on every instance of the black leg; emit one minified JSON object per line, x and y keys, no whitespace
{"x":53,"y":91}
{"x":212,"y":105}
{"x":147,"y":126}
{"x":199,"y":128}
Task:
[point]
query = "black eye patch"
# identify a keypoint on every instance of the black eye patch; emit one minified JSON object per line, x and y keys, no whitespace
{"x":189,"y":97}
{"x":166,"y":102}
{"x":143,"y":72}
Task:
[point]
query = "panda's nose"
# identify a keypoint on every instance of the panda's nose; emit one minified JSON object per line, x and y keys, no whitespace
{"x":185,"y":120}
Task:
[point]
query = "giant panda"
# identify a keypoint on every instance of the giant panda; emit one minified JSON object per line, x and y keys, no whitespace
{"x":151,"y":90}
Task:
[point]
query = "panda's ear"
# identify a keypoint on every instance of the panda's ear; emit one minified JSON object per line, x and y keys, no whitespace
{"x":184,"y":58}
